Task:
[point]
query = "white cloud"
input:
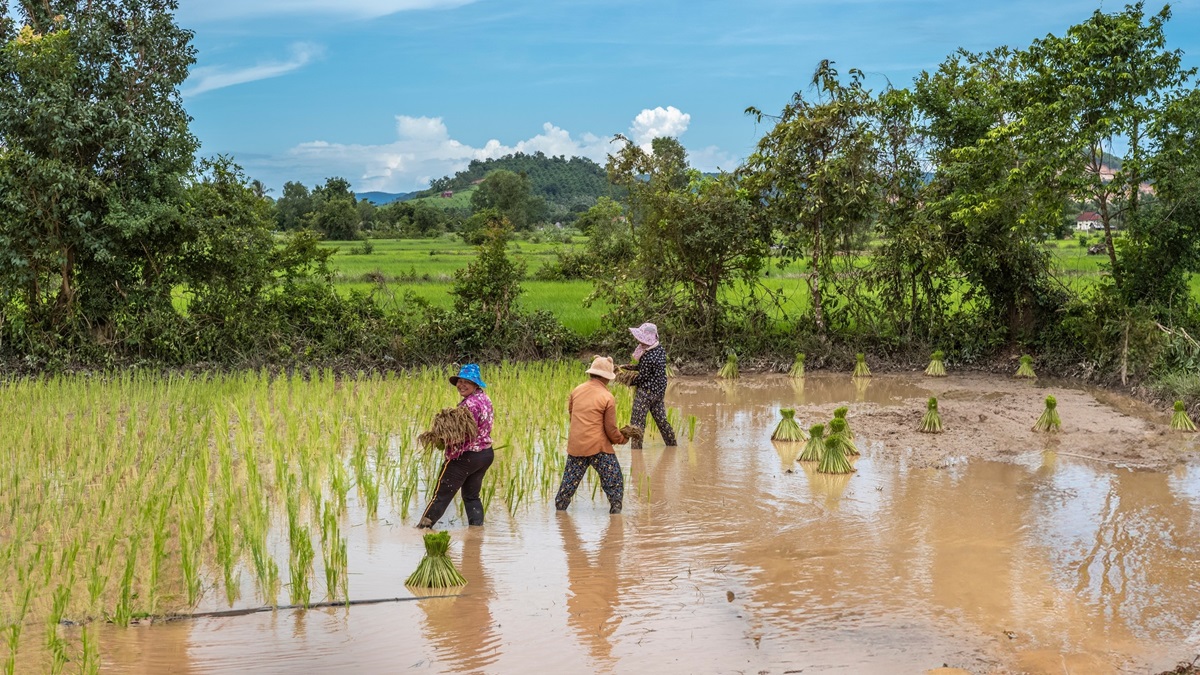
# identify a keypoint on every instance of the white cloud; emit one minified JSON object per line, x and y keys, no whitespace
{"x":424,"y":150}
{"x":208,"y":78}
{"x":213,"y":10}
{"x":652,"y":124}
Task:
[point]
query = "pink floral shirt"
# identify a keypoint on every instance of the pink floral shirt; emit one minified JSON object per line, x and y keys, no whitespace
{"x":481,"y":409}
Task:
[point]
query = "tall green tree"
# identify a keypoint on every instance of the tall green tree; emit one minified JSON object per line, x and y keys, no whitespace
{"x":94,"y":148}
{"x":815,"y":173}
{"x":335,"y":211}
{"x":512,"y":195}
{"x":293,"y":206}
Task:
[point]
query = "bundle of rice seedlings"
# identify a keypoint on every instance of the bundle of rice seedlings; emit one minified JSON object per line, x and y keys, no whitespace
{"x":814,"y":449}
{"x":1049,"y":420}
{"x":632,"y":433}
{"x":626,"y":377}
{"x":932,"y":422}
{"x":1026,"y":367}
{"x":797,"y":370}
{"x":1180,"y":420}
{"x":671,"y":371}
{"x":436,"y":570}
{"x":860,"y":368}
{"x":729,"y":371}
{"x":840,"y":413}
{"x":451,"y":427}
{"x":788,"y":429}
{"x":834,"y":459}
{"x":936,"y":366}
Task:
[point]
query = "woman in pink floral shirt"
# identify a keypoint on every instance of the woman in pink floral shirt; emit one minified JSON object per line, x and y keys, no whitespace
{"x":465,"y":464}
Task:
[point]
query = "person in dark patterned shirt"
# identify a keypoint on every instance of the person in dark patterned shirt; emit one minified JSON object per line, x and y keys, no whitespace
{"x":465,"y":464}
{"x":651,"y":383}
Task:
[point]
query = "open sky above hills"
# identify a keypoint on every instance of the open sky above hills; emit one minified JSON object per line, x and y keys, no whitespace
{"x":392,"y":93}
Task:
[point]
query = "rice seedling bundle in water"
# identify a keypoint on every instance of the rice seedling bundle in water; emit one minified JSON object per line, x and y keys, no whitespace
{"x":834,"y":459}
{"x":797,"y":370}
{"x":1180,"y":420}
{"x":840,"y":414}
{"x":937,"y":367}
{"x":626,"y":377}
{"x":1049,"y":420}
{"x":729,"y":371}
{"x":451,"y":427}
{"x":932,"y":422}
{"x":788,"y":429}
{"x":1026,"y":368}
{"x":436,"y":570}
{"x":814,"y":449}
{"x":860,"y":367}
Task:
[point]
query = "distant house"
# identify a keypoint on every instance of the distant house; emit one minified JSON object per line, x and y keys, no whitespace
{"x":1088,"y":220}
{"x":448,"y":194}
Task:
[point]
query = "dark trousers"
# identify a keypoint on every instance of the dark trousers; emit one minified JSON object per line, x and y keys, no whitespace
{"x":465,"y":472}
{"x":642,"y":405}
{"x":611,"y":480}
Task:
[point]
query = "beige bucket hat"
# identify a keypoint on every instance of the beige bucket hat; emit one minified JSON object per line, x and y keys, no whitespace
{"x":602,"y":366}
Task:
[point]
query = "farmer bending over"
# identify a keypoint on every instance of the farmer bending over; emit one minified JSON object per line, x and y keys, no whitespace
{"x":467,"y":463}
{"x":590,"y":439}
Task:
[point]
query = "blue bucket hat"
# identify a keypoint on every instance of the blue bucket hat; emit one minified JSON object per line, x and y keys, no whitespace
{"x":470,"y":373}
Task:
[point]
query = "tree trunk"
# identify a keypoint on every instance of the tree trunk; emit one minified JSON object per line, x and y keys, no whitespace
{"x":814,"y":283}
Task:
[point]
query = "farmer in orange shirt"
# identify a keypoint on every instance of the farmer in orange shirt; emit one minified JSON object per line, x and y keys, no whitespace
{"x":591,"y":437}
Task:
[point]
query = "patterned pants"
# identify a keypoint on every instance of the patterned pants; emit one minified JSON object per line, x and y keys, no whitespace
{"x":611,"y":480}
{"x":642,"y":405}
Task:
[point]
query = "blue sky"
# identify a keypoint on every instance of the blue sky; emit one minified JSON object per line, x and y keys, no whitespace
{"x":391,"y":93}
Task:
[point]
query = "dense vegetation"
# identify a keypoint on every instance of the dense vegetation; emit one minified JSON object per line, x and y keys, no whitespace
{"x":899,"y":221}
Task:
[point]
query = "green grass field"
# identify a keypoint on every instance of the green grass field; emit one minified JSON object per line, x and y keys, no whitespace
{"x":426,"y":268}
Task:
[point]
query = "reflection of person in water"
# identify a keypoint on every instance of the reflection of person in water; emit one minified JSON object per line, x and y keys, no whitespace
{"x":462,"y":629}
{"x":593,"y":587}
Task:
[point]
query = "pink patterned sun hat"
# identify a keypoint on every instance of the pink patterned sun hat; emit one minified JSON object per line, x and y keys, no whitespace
{"x":646,"y":334}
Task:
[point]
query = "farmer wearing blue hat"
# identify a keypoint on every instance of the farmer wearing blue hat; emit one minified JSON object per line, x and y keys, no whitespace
{"x":466,"y":463}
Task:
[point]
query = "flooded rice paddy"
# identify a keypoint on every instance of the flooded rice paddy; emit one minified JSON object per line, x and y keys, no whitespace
{"x":732,"y":557}
{"x":988,"y":548}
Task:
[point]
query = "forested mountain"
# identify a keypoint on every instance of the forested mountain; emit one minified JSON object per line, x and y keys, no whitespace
{"x":567,"y":185}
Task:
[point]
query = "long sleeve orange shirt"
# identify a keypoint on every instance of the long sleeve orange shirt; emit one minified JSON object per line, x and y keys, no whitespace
{"x":593,"y":420}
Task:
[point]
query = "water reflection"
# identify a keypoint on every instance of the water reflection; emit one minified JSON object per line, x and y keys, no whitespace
{"x":462,"y":629}
{"x":593,"y":587}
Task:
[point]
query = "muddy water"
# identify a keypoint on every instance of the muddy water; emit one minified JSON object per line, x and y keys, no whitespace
{"x":732,"y":557}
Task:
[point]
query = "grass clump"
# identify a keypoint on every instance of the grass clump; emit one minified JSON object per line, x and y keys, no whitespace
{"x":788,"y":429}
{"x":1049,"y":420}
{"x":835,"y":459}
{"x":937,"y":366}
{"x":797,"y":370}
{"x":729,"y":371}
{"x":1025,"y":370}
{"x":436,"y":570}
{"x":1180,"y":420}
{"x":451,"y":427}
{"x":814,"y":449}
{"x":860,"y":366}
{"x":932,"y":422}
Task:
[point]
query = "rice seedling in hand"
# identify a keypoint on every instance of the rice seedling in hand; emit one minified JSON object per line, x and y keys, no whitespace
{"x":1049,"y":420}
{"x":834,"y":459}
{"x":788,"y":429}
{"x":632,"y":433}
{"x":1026,"y":368}
{"x":937,"y":367}
{"x":814,"y":449}
{"x":1180,"y":420}
{"x":797,"y":370}
{"x":436,"y":570}
{"x":451,"y":426}
{"x":932,"y":422}
{"x":626,"y":377}
{"x":729,"y":371}
{"x":860,"y":367}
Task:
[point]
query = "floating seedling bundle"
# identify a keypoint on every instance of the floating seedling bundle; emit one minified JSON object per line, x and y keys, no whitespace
{"x":937,"y":367}
{"x":1026,"y":368}
{"x":797,"y":370}
{"x":814,"y":449}
{"x":1049,"y":420}
{"x":729,"y":371}
{"x":1180,"y":420}
{"x":451,"y":427}
{"x":860,"y":366}
{"x":834,"y":459}
{"x":932,"y":422}
{"x":436,"y":570}
{"x":788,"y":429}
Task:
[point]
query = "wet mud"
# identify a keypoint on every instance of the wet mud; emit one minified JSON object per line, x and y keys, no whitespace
{"x":986,"y":549}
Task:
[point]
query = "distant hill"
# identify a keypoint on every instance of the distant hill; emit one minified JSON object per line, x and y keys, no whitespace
{"x":381,"y":198}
